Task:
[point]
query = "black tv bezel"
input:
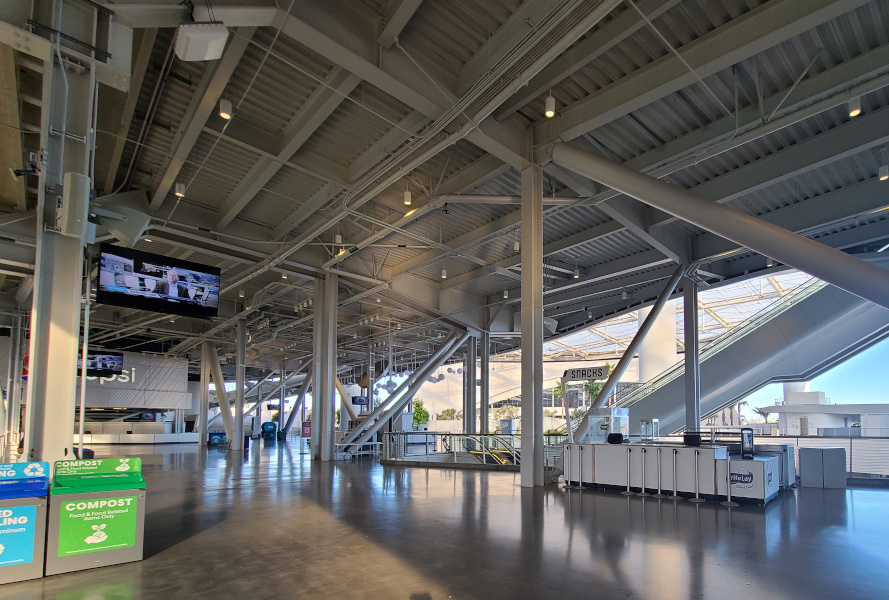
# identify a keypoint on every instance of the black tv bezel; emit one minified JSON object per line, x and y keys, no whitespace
{"x":158,"y":305}
{"x":100,"y":372}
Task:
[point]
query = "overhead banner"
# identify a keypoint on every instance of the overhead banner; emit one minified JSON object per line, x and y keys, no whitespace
{"x":145,"y":381}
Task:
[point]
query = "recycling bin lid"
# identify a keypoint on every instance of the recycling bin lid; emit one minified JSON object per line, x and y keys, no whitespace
{"x":23,"y":480}
{"x":80,"y":476}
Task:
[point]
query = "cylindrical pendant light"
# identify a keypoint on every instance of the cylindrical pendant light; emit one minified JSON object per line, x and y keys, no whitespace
{"x":550,"y":111}
{"x":225,"y":109}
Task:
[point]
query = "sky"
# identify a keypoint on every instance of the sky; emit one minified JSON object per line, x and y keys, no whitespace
{"x":859,"y":379}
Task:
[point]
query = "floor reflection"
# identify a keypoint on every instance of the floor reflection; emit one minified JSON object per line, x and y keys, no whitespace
{"x":271,"y":523}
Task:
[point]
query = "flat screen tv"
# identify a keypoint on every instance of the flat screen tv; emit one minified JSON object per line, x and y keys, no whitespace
{"x":147,"y":281}
{"x":102,"y":364}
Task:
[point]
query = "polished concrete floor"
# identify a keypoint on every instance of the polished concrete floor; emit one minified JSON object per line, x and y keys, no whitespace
{"x":273,"y":524}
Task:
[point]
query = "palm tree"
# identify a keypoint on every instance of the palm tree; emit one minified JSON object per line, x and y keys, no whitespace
{"x":448,"y":414}
{"x":762,"y":413}
{"x":592,"y":388}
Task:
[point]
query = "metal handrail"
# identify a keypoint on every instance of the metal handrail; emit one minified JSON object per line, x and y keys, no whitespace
{"x":484,"y":441}
{"x":717,"y":344}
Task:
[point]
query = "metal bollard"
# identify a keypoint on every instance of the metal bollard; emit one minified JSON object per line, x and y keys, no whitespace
{"x":643,"y":493}
{"x":728,"y":481}
{"x":627,"y":492}
{"x":675,"y":495}
{"x":659,"y":494}
{"x":568,"y":485}
{"x":697,"y":497}
{"x":580,"y":469}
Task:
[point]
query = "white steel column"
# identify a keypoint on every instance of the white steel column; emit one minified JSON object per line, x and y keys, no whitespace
{"x":692,"y":358}
{"x":317,"y":363}
{"x":14,"y":389}
{"x":300,"y":399}
{"x":624,"y":362}
{"x":325,"y":397}
{"x":470,"y":373}
{"x":225,"y":407}
{"x":281,"y":413}
{"x":204,"y":400}
{"x":65,"y":140}
{"x":346,"y":401}
{"x":657,"y":352}
{"x":485,"y":388}
{"x":240,"y":367}
{"x":532,"y":326}
{"x":370,"y":375}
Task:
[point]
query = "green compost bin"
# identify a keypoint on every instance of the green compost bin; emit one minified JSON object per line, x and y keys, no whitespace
{"x":96,"y":514}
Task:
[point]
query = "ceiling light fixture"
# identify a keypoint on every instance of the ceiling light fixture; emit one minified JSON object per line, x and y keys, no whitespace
{"x":855,"y":107}
{"x":884,"y":168}
{"x":179,"y":190}
{"x":516,"y":246}
{"x":505,"y":294}
{"x":769,"y":263}
{"x":550,"y":110}
{"x":623,"y":295}
{"x":407,"y":195}
{"x":147,"y":239}
{"x":576,"y":271}
{"x":444,"y":273}
{"x":241,"y":293}
{"x":225,"y":109}
{"x":283,"y":275}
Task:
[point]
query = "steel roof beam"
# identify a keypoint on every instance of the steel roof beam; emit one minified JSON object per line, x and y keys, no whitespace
{"x":140,"y":68}
{"x":853,"y":275}
{"x":203,"y":103}
{"x":398,"y":13}
{"x":520,"y":23}
{"x":760,"y":29}
{"x":387,"y":144}
{"x":634,"y":215}
{"x":311,"y":115}
{"x":313,"y":204}
{"x":835,"y":144}
{"x":584,"y":52}
{"x":14,"y":191}
{"x":866,"y":67}
{"x":467,"y":178}
{"x":863,"y":199}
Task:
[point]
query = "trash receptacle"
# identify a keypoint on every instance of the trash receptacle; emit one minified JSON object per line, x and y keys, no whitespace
{"x":96,"y":514}
{"x":23,"y":491}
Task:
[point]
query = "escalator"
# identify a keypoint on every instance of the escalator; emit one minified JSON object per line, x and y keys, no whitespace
{"x":797,"y":340}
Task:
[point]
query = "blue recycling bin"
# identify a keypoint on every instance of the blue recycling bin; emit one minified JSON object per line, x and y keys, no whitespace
{"x":23,"y":501}
{"x":269,"y":430}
